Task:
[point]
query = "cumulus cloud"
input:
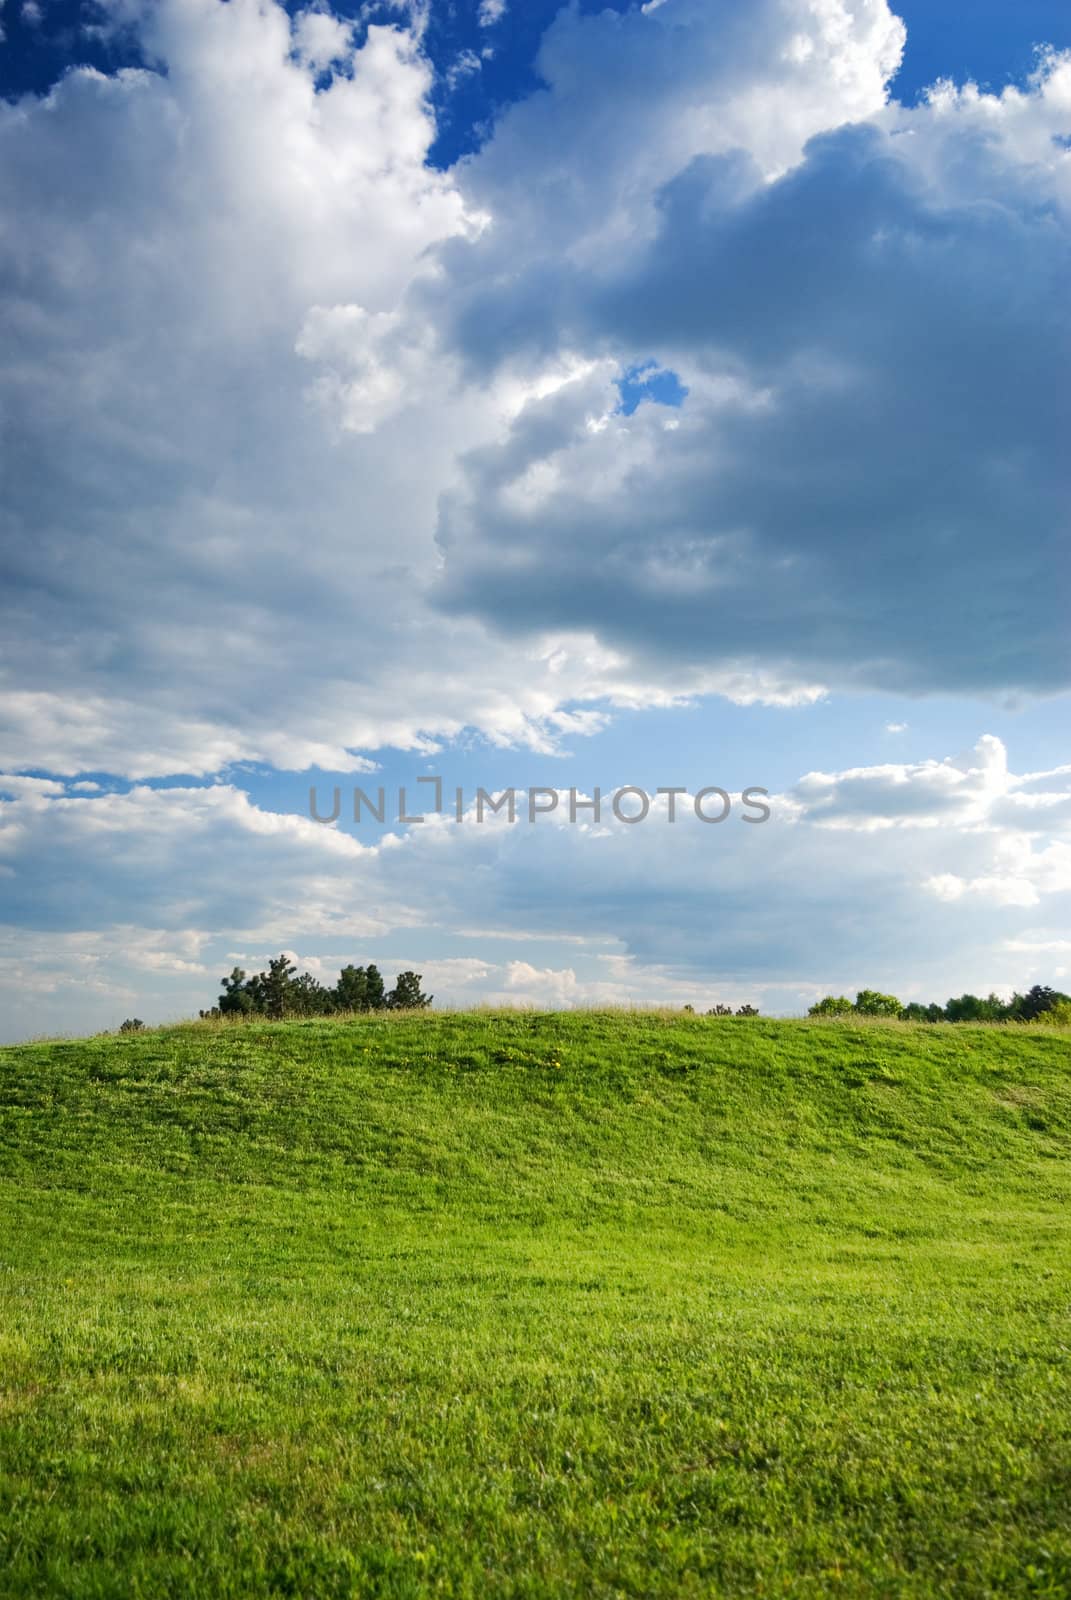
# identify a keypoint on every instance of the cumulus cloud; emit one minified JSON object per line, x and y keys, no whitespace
{"x":311,"y":449}
{"x":208,"y":556}
{"x":867,"y":484}
{"x":967,"y":889}
{"x":258,"y":355}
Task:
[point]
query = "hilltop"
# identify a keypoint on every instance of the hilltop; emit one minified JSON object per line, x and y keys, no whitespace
{"x":536,"y":1305}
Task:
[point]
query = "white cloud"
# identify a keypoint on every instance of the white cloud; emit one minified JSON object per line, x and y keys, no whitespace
{"x":234,"y":403}
{"x":241,"y":304}
{"x":321,"y":39}
{"x":310,"y":448}
{"x":198,"y":262}
{"x":844,"y":499}
{"x":959,"y":895}
{"x":490,"y":12}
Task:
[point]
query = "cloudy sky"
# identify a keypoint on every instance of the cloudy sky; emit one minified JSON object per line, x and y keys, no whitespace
{"x":667,"y":395}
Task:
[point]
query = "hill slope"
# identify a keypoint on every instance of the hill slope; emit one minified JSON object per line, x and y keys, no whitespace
{"x":536,"y":1305}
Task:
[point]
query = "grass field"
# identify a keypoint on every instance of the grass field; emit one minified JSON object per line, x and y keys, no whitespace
{"x":536,"y":1305}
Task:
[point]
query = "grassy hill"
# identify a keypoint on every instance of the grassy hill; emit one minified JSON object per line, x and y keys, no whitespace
{"x":536,"y":1305}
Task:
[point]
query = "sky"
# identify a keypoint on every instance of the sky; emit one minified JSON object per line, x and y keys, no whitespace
{"x":575,"y":397}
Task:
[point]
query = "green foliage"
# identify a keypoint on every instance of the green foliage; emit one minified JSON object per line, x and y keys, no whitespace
{"x":870,"y":1003}
{"x":276,"y":989}
{"x":281,"y":992}
{"x":1033,"y":1005}
{"x":921,"y":1013}
{"x":375,"y":988}
{"x":237,"y":998}
{"x":1039,"y":1004}
{"x":834,"y":1005}
{"x":406,"y":994}
{"x":351,"y":990}
{"x":969,"y":1008}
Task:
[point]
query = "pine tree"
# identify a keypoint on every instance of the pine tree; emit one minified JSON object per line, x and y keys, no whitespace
{"x":351,"y":990}
{"x":236,"y":999}
{"x":406,"y":994}
{"x":276,"y":986}
{"x":377,"y":998}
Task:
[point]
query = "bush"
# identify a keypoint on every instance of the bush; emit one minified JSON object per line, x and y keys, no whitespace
{"x":916,"y":1012}
{"x":870,"y":1003}
{"x":131,"y":1025}
{"x":1033,"y":1005}
{"x":969,"y":1008}
{"x":834,"y":1005}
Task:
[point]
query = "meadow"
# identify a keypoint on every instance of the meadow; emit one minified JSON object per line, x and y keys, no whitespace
{"x":540,"y":1305}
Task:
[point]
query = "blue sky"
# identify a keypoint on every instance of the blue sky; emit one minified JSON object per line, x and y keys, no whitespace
{"x":530,"y":395}
{"x":987,"y":40}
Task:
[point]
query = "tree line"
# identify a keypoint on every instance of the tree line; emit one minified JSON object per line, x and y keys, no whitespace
{"x":281,"y":991}
{"x":1038,"y":1004}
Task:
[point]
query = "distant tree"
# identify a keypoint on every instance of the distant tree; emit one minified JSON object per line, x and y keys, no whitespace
{"x":406,"y":994}
{"x":351,"y":990}
{"x":276,"y":987}
{"x":747,"y":1011}
{"x":131,"y":1025}
{"x":1059,"y":1015}
{"x":281,"y":992}
{"x":970,"y":1008}
{"x":1037,"y":1001}
{"x":834,"y":1005}
{"x":720,"y":1011}
{"x":870,"y":1003}
{"x":237,"y":998}
{"x":306,"y":997}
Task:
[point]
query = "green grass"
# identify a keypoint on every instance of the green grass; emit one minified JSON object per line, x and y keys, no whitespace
{"x":536,"y":1305}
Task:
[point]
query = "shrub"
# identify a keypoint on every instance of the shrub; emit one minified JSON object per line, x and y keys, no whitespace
{"x":869,"y":1003}
{"x":1036,"y":1002}
{"x":969,"y":1008}
{"x":834,"y":1005}
{"x":916,"y":1012}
